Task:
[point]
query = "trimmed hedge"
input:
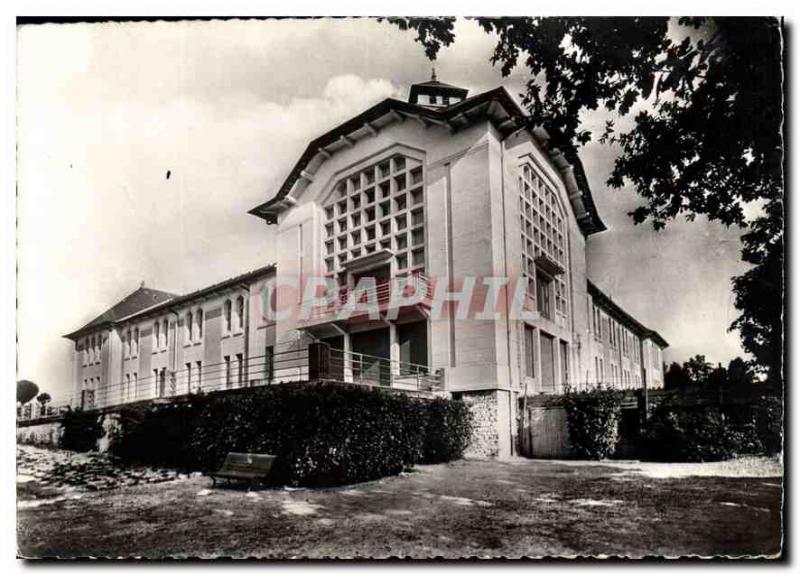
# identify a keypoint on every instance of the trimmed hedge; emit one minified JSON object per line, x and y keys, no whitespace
{"x":323,"y":434}
{"x":676,"y":433}
{"x":449,"y":428}
{"x":593,"y":419}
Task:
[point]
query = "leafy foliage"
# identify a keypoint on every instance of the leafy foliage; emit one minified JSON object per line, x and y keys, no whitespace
{"x":43,"y":398}
{"x":593,"y":419}
{"x":26,"y":391}
{"x":323,"y":434}
{"x":677,"y":433}
{"x":707,"y":126}
{"x":769,"y":423}
{"x":81,"y":430}
{"x":448,"y":431}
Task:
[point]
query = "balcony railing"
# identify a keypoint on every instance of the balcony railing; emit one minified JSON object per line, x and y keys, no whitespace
{"x":415,"y":289}
{"x":365,"y":369}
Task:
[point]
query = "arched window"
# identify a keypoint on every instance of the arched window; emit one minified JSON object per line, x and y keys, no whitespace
{"x":240,"y":311}
{"x":189,"y":326}
{"x":156,"y":335}
{"x":165,"y":331}
{"x":128,"y":341}
{"x":136,"y":341}
{"x":227,"y":312}
{"x":200,"y":323}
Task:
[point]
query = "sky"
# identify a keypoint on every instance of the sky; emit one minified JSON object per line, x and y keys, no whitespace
{"x":227,"y":107}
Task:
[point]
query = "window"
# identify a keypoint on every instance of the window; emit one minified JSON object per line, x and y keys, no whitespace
{"x":380,"y":206}
{"x":199,"y":375}
{"x":543,"y":230}
{"x":128,"y":342}
{"x":227,"y":312}
{"x":200,"y":324}
{"x":189,"y":326}
{"x":156,"y":335}
{"x":135,"y":390}
{"x":165,"y":332}
{"x":543,"y":295}
{"x":136,"y":341}
{"x":240,"y":311}
{"x":227,"y":371}
{"x":530,"y":341}
{"x":239,"y":370}
{"x":127,"y":389}
{"x":189,"y":377}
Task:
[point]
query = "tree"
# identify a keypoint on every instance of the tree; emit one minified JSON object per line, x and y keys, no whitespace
{"x":26,"y":391}
{"x":706,"y":138}
{"x":676,"y":378}
{"x":698,"y":369}
{"x":43,"y":398}
{"x":739,"y":373}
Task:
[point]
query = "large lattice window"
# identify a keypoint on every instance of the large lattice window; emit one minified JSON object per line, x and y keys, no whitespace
{"x":543,"y":225}
{"x":379,"y":207}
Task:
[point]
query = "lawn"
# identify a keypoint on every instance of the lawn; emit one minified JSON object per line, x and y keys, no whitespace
{"x":515,"y":508}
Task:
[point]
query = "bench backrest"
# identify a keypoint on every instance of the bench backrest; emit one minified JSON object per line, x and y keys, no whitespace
{"x":248,"y":461}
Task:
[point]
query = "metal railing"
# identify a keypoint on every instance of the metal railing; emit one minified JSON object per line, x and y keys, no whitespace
{"x":284,"y":363}
{"x":416,"y":283}
{"x":365,"y":369}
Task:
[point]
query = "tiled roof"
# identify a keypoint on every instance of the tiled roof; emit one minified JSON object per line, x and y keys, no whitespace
{"x":136,"y":301}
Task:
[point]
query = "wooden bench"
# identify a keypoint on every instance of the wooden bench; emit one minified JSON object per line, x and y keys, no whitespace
{"x":250,"y":467}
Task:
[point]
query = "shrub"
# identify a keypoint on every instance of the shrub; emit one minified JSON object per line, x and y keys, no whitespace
{"x":676,"y":433}
{"x":768,"y":418}
{"x":593,"y":421}
{"x":323,"y":434}
{"x":81,"y":430}
{"x":448,"y":431}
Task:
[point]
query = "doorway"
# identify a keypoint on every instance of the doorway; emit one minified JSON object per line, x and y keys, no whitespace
{"x":370,"y":359}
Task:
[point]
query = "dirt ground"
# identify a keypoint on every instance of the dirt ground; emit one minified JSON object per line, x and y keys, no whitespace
{"x":515,"y":508}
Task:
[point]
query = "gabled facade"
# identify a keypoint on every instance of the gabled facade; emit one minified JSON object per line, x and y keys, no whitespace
{"x":442,"y":191}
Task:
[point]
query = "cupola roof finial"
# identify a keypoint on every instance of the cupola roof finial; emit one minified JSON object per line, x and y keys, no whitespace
{"x":433,"y":73}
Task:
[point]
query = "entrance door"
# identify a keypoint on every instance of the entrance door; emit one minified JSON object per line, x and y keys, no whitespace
{"x":371,"y":356}
{"x":548,"y":362}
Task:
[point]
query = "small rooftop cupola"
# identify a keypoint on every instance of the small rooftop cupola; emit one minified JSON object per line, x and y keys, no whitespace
{"x":435,"y":94}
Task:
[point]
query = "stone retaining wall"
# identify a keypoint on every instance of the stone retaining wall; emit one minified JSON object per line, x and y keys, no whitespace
{"x":47,"y":434}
